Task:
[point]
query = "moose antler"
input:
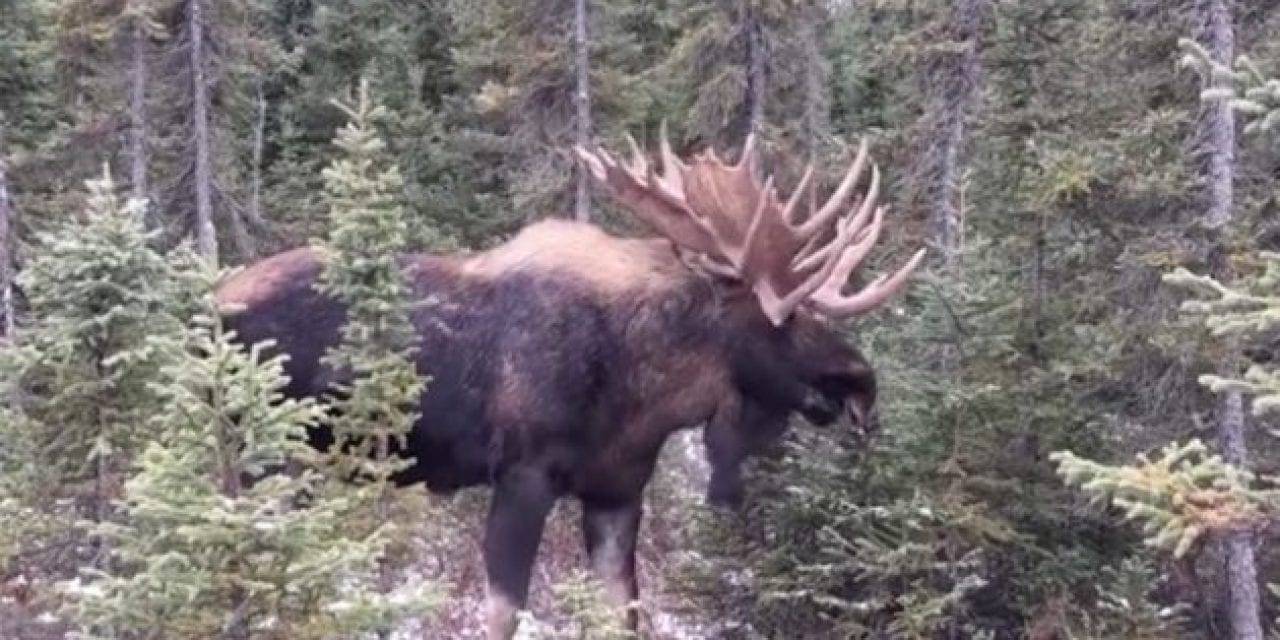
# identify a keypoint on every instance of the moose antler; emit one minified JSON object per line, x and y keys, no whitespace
{"x":738,"y":226}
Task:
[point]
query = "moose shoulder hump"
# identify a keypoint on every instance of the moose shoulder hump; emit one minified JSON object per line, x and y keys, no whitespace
{"x":607,"y":264}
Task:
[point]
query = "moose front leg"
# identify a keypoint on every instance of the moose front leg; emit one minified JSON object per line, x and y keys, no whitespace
{"x":522,"y":498}
{"x":609,"y":531}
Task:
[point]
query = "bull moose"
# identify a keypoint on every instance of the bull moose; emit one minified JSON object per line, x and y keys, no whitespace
{"x":561,"y":361}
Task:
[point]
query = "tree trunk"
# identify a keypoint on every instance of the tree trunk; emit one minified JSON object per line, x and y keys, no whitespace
{"x":138,"y":110}
{"x":757,"y":70}
{"x":382,"y":512}
{"x":582,"y":100}
{"x":1219,"y":121}
{"x":953,"y":80}
{"x":1241,"y":569}
{"x":1219,"y":136}
{"x":817,"y":82}
{"x":259,"y":142}
{"x":6,"y":261}
{"x":206,"y":237}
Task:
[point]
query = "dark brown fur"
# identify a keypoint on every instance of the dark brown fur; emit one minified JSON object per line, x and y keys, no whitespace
{"x":560,"y":362}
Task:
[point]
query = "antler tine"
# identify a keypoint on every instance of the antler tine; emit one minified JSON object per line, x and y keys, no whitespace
{"x":748,"y":160}
{"x":852,"y":255}
{"x":640,"y":164}
{"x":830,"y":297}
{"x":670,"y":162}
{"x":672,"y":168}
{"x":657,"y":200}
{"x":835,"y":203}
{"x":594,"y":163}
{"x":862,"y":209}
{"x":854,"y":240}
{"x":793,"y":204}
{"x":837,"y":305}
{"x":779,"y":308}
{"x":755,"y":234}
{"x":737,"y":227}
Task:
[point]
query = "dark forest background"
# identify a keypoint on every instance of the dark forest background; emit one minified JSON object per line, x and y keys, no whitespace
{"x":1097,"y":180}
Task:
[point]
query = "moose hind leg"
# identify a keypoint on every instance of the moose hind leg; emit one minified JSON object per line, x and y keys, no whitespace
{"x":610,"y":531}
{"x":522,"y":498}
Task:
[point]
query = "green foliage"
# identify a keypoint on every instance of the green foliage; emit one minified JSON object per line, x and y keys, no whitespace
{"x":1185,"y":495}
{"x":402,"y":49}
{"x":949,"y":525}
{"x":1179,"y":497}
{"x":75,"y":381}
{"x":201,"y":551}
{"x":376,"y":401}
{"x":28,"y":107}
{"x":1250,"y":91}
{"x":362,"y":269}
{"x":1246,"y":309}
{"x":579,"y":602}
{"x":1074,"y":178}
{"x":519,"y":109}
{"x":1126,"y":609}
{"x":77,"y":377}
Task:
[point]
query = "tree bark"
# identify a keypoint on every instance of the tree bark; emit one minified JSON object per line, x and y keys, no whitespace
{"x":1219,"y":136}
{"x":138,"y":110}
{"x":582,"y":101}
{"x":206,"y":236}
{"x":954,"y":81}
{"x":817,"y":102}
{"x":757,"y":69}
{"x":259,"y":142}
{"x":1219,"y":122}
{"x":1241,"y":565}
{"x":6,"y":261}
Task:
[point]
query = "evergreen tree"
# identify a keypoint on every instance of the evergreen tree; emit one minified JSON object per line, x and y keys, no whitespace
{"x":202,"y":122}
{"x":35,"y":120}
{"x":377,"y":403}
{"x":748,"y":66}
{"x":80,"y":369}
{"x":110,"y":47}
{"x":1187,"y":496}
{"x":75,"y":380}
{"x":403,"y":50}
{"x":1073,"y":194}
{"x":363,"y":270}
{"x":525,"y":107}
{"x":203,"y":552}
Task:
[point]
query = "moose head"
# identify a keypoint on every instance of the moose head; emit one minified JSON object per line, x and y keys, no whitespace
{"x":780,"y":268}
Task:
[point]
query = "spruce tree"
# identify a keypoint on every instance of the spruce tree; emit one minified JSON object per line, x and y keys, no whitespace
{"x":1181,"y":497}
{"x":526,"y":107}
{"x":376,"y":405}
{"x":209,"y":548}
{"x":362,"y":269}
{"x":404,"y":51}
{"x":1187,"y":496}
{"x":78,"y":371}
{"x":75,"y":395}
